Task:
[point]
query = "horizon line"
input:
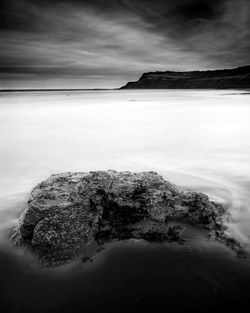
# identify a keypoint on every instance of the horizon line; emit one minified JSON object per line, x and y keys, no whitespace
{"x":55,"y":89}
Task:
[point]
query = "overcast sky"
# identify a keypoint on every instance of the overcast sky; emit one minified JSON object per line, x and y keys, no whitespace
{"x":105,"y":43}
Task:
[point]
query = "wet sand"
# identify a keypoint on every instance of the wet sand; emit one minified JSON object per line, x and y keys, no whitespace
{"x":131,"y":276}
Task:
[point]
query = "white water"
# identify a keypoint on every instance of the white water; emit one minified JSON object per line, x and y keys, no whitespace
{"x":196,"y":139}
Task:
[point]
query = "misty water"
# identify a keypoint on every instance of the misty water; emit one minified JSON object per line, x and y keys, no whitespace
{"x":196,"y":139}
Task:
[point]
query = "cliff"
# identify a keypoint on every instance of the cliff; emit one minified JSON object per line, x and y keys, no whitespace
{"x":237,"y":78}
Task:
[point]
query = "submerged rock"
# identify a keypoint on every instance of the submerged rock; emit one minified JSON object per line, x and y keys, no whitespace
{"x":69,"y":211}
{"x":174,"y":233}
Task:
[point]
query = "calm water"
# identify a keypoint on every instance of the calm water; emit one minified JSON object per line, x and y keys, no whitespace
{"x":196,"y":139}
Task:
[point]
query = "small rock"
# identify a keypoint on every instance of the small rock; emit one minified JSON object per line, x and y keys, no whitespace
{"x":174,"y":233}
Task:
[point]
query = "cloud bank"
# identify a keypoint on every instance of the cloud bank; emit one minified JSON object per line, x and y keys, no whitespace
{"x":95,"y":44}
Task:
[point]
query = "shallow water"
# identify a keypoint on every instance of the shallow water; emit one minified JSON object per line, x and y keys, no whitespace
{"x":131,"y":277}
{"x":196,"y":139}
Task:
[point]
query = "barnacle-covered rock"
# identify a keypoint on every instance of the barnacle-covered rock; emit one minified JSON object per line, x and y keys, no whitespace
{"x":69,"y":211}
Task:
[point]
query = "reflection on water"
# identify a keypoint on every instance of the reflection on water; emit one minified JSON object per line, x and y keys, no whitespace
{"x":131,"y":277}
{"x":197,"y":139}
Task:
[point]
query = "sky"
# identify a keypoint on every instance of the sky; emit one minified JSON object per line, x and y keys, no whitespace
{"x":105,"y":43}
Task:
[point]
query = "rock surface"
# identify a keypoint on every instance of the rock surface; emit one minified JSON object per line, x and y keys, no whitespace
{"x":237,"y":78}
{"x":69,"y":211}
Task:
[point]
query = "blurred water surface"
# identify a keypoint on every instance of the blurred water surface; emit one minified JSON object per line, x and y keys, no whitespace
{"x":195,"y":138}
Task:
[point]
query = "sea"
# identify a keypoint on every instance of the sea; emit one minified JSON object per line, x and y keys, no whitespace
{"x":196,"y":139}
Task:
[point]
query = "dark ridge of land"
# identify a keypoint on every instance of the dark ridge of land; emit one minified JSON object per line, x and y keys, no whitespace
{"x":236,"y":78}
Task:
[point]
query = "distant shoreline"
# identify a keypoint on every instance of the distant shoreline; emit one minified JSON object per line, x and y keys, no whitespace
{"x":115,"y":89}
{"x":236,"y":78}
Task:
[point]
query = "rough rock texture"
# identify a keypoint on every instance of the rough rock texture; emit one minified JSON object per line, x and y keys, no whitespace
{"x":237,"y":78}
{"x":69,"y":211}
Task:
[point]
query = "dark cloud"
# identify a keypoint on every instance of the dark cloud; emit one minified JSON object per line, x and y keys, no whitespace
{"x":197,"y":10}
{"x":66,"y":39}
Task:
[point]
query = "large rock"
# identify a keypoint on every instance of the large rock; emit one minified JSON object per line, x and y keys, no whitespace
{"x":69,"y":211}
